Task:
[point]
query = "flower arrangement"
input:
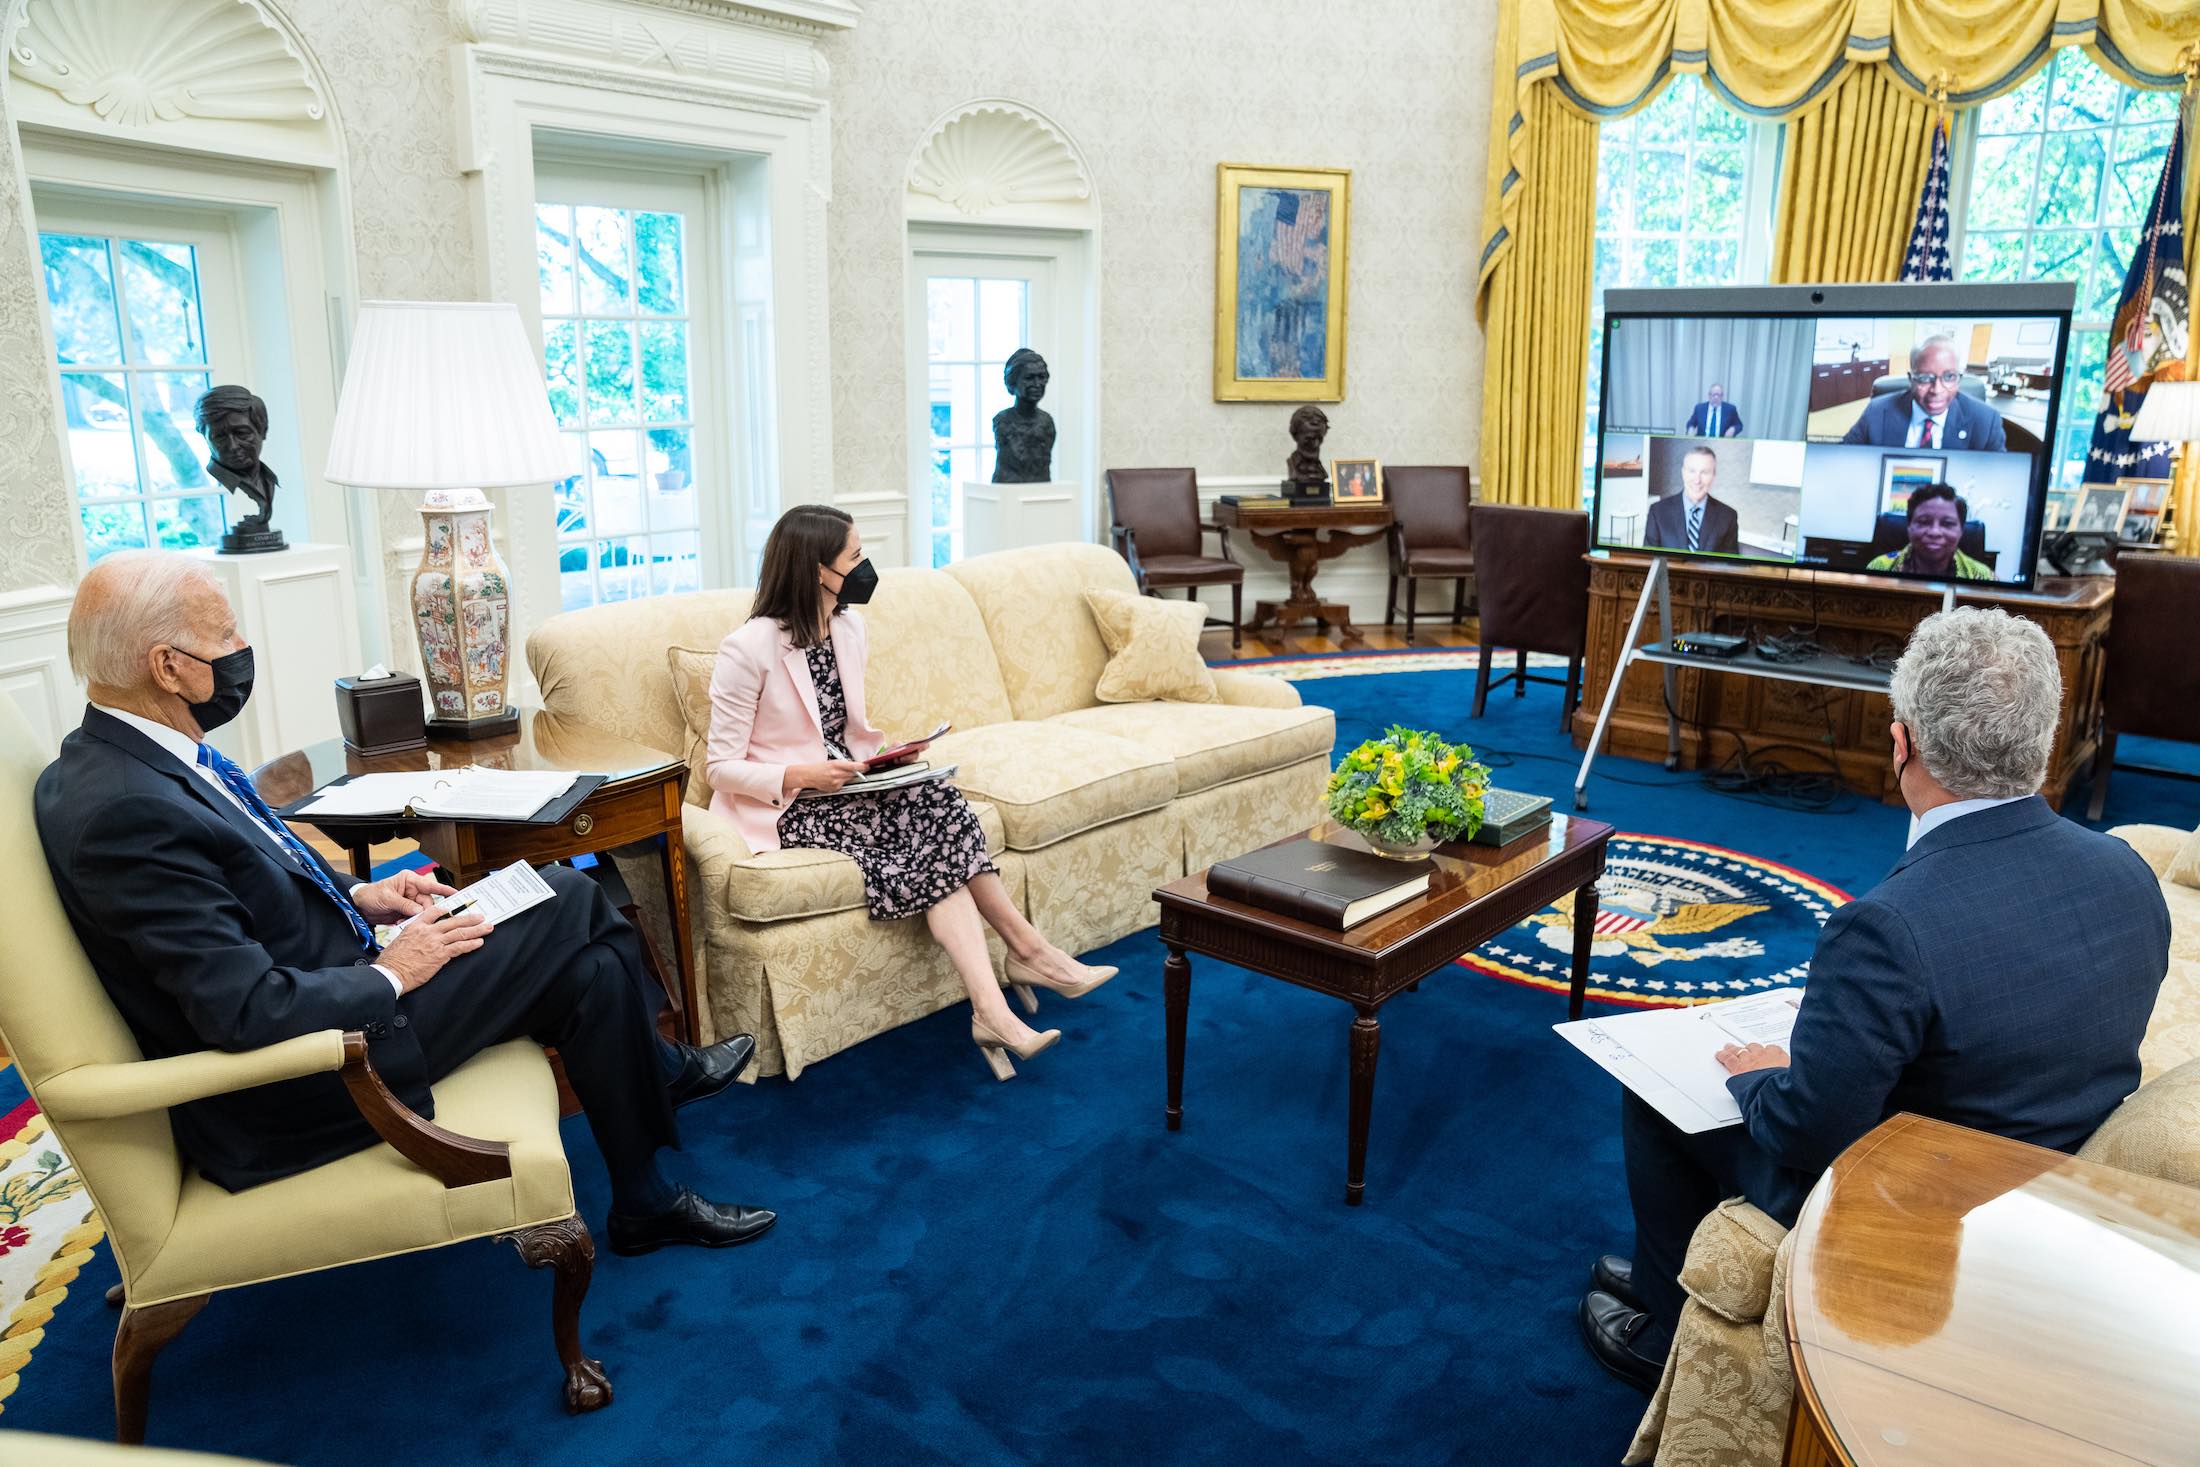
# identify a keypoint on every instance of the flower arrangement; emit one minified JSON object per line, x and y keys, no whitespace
{"x":1408,"y":791}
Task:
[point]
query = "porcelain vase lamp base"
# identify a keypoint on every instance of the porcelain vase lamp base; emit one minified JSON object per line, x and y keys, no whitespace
{"x":462,"y":609}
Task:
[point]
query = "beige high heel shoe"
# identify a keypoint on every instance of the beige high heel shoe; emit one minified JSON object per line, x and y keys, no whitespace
{"x":996,"y":1050}
{"x":1026,"y":978}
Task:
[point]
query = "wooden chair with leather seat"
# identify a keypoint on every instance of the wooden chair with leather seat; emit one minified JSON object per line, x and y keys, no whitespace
{"x":1532,"y":583}
{"x":490,"y":1165}
{"x":1156,"y":527}
{"x":2151,"y":683}
{"x":1431,"y":536}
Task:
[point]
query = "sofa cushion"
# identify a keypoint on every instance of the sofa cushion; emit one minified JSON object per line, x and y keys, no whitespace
{"x":1049,"y":781}
{"x":604,"y":666}
{"x":1034,"y":608}
{"x":691,"y":669}
{"x":2184,"y":867}
{"x":1153,"y":648}
{"x":2156,"y":1131}
{"x":931,"y":661}
{"x":1213,"y":743}
{"x":1729,"y":1265}
{"x":773,"y":886}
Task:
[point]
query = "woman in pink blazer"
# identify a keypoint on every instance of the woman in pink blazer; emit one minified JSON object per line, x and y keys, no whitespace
{"x":787,"y":716}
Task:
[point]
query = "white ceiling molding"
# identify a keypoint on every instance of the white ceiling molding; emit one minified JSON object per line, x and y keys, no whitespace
{"x":815,"y":16}
{"x":751,"y":47}
{"x":995,"y":160}
{"x":137,"y":66}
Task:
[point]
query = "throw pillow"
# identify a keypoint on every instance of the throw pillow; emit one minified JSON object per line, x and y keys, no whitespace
{"x":691,"y":674}
{"x":1153,"y":649}
{"x":2184,"y":867}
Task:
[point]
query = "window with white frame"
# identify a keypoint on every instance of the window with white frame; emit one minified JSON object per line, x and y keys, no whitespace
{"x":2062,"y":174}
{"x":129,"y":313}
{"x":976,"y":313}
{"x":1684,"y":197}
{"x":621,"y":354}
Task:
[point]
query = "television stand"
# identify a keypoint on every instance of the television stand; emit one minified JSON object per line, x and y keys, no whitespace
{"x":1823,"y":669}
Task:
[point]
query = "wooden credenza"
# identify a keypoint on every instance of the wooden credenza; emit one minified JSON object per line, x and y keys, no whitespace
{"x":1853,"y":614}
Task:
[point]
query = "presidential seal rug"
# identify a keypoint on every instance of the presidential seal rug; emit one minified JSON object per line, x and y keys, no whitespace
{"x":1678,"y":922}
{"x":47,"y":1230}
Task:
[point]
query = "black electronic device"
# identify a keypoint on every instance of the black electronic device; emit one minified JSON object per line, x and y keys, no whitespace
{"x":1710,"y":644}
{"x":2082,"y":552}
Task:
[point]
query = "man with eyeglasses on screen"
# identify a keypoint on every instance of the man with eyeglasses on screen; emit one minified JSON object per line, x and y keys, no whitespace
{"x":1934,"y":413}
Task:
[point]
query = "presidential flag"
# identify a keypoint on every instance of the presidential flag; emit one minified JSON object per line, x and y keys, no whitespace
{"x":1927,"y":257}
{"x":2147,"y":337}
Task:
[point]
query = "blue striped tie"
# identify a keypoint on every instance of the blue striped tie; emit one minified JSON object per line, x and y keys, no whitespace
{"x":240,"y":785}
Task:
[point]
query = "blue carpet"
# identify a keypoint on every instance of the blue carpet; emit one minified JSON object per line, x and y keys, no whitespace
{"x":969,"y":1272}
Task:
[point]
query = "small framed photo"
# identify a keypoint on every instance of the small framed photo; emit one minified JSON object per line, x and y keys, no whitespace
{"x":2061,"y":503}
{"x":2102,"y":507}
{"x":1355,"y":481}
{"x":1901,"y":473}
{"x":2143,"y":521}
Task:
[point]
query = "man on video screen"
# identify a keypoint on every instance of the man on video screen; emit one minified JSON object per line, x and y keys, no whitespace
{"x":1714,"y":417}
{"x":1692,"y":519}
{"x":1934,"y":413}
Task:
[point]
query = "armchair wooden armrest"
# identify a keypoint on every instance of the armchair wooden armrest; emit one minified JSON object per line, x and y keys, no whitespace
{"x":1126,"y":545}
{"x":1394,"y":535}
{"x":452,"y":1159}
{"x":1222,"y":536}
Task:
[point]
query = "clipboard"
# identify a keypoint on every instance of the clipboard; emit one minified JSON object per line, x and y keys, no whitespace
{"x":552,"y":813}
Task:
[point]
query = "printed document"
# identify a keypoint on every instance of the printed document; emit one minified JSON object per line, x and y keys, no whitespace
{"x":885,"y":779}
{"x":460,"y":794}
{"x":499,"y":895}
{"x":1668,"y":1056}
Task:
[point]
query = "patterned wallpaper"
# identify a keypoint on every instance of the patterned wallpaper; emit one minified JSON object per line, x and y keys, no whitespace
{"x":1156,"y":93}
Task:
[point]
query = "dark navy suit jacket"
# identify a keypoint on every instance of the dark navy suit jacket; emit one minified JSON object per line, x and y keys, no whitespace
{"x":207,"y":936}
{"x":2001,"y":978}
{"x":1968,"y":424}
{"x":1699,"y":421}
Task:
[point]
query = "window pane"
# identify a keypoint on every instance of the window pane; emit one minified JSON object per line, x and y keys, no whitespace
{"x":561,"y":370}
{"x":2060,"y":255}
{"x":110,"y":527}
{"x":993,"y":395}
{"x":949,"y":305}
{"x":2097,"y":297}
{"x":622,"y":569}
{"x":675,"y":563}
{"x":2020,"y":111}
{"x":172,"y":452}
{"x":1993,"y":256}
{"x":554,"y":257}
{"x":664,"y":371}
{"x":2150,"y":106}
{"x":2085,"y":95}
{"x":615,"y":489}
{"x":610,"y":372}
{"x":1713,"y":261}
{"x":2001,"y":183}
{"x":1659,"y":263}
{"x":97,"y":413}
{"x":2070,"y":179}
{"x":671,"y":480}
{"x":604,"y":261}
{"x":571,"y":499}
{"x":160,"y":295}
{"x":2140,"y":153}
{"x":1718,"y":202}
{"x":1001,"y":305}
{"x":1661,"y":181}
{"x":576,"y":588}
{"x":660,"y":272}
{"x":965,"y":467}
{"x":80,"y":297}
{"x":1668,"y":118}
{"x":186,"y":524}
{"x":962,"y":399}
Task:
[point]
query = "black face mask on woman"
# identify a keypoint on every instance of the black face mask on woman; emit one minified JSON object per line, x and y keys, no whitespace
{"x":232,"y":685}
{"x":856,"y":586}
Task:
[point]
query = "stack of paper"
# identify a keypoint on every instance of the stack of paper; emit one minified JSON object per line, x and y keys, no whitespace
{"x":495,"y":897}
{"x":885,"y":779}
{"x":459,"y":794}
{"x":1669,"y":1056}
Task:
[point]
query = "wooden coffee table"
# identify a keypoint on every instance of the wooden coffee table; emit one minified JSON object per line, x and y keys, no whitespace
{"x":1477,"y":892}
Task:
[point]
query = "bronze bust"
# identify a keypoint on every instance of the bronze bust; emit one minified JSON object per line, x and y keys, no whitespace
{"x":1023,"y":436}
{"x":1309,"y":426}
{"x":234,"y":421}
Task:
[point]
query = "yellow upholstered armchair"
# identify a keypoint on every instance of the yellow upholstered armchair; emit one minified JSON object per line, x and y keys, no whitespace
{"x":499,"y":1170}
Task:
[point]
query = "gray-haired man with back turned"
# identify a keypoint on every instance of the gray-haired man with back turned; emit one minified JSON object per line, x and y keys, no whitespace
{"x":2001,"y":978}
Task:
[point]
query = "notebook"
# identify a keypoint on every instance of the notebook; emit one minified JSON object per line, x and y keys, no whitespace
{"x":1314,"y":881}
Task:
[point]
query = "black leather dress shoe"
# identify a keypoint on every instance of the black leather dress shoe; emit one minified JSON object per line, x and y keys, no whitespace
{"x":705,"y":1072}
{"x":1610,"y":1328}
{"x":692,"y":1222}
{"x":1615,"y":1275}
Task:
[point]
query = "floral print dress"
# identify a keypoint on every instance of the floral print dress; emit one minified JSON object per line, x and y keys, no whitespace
{"x":915,"y":845}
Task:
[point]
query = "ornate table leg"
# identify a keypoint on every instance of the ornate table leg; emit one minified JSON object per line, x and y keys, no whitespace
{"x":1176,"y":987}
{"x":1367,"y":1040}
{"x":1585,"y":924}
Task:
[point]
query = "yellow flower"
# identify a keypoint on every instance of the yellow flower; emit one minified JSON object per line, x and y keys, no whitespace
{"x":1374,"y":809}
{"x":1450,"y":763}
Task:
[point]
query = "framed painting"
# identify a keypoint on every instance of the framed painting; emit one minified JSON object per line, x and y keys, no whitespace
{"x":1355,"y":481}
{"x":1279,"y":283}
{"x":1900,"y":473}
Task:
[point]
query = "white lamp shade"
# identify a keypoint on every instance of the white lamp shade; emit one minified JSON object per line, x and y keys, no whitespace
{"x":2170,"y":414}
{"x":444,"y":395}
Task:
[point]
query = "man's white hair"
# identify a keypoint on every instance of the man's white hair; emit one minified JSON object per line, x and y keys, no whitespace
{"x":1917,"y":352}
{"x":128,"y":604}
{"x":1981,"y":694}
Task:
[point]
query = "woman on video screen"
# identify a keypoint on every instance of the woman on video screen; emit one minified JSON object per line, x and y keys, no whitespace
{"x":1936,"y":516}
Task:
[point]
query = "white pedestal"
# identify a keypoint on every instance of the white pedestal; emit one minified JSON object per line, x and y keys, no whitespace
{"x":1010,"y":516}
{"x":295,"y":607}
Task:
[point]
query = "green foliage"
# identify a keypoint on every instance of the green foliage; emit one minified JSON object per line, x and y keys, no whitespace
{"x":1406,"y":784}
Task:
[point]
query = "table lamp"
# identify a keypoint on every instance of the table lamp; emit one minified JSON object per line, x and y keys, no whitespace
{"x":448,"y":397}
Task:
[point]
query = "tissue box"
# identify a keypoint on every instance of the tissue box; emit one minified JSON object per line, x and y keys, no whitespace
{"x":381,"y":715}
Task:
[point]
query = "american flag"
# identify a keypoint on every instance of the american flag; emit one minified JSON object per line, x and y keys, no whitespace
{"x":1927,"y":258}
{"x":2147,"y":341}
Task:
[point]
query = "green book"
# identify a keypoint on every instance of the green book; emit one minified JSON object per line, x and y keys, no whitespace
{"x":1508,"y":815}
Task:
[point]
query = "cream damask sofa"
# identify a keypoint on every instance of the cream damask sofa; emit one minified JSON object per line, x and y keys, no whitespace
{"x":1087,"y":806}
{"x":1729,"y":1385}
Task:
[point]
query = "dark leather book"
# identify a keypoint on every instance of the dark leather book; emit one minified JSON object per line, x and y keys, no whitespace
{"x":1333,"y":886}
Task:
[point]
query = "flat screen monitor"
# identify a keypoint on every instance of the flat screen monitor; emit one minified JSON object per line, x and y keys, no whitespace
{"x":1897,"y":430}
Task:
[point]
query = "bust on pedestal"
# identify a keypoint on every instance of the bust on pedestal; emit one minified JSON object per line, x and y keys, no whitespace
{"x":1024,"y":504}
{"x":234,"y":421}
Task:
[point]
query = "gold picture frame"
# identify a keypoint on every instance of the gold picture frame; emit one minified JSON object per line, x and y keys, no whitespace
{"x":1280,"y":245}
{"x":1355,"y":481}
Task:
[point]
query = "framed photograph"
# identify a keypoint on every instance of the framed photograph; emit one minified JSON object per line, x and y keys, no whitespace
{"x":1355,"y":481}
{"x":2060,"y":504}
{"x":1279,"y":283}
{"x":1900,"y":473}
{"x":2143,"y":520}
{"x":2101,"y":507}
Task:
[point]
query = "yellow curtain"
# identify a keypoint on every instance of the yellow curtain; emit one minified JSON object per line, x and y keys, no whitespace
{"x":1536,"y":317}
{"x":1849,"y":183}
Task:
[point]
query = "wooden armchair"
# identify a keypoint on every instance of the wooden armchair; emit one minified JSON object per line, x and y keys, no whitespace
{"x":494,"y":1167}
{"x":1156,"y":527}
{"x":1431,"y":537}
{"x":2151,"y":685}
{"x":1534,"y":593}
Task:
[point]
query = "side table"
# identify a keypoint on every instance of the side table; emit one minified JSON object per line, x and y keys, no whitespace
{"x":1302,"y":539}
{"x":639,"y":800}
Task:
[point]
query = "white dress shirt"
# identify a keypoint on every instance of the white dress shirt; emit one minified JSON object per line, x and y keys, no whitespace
{"x":1918,"y":419}
{"x":186,"y":750}
{"x":1939,"y":815}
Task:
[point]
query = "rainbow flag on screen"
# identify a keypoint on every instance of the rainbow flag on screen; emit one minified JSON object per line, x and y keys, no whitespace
{"x":1927,"y":257}
{"x":2147,"y":338}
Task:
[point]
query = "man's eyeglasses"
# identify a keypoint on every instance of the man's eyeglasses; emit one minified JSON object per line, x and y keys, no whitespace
{"x":1927,"y":379}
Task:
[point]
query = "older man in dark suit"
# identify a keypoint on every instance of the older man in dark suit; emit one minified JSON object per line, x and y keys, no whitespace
{"x":1934,"y":413}
{"x":1960,"y":988}
{"x":213,"y":927}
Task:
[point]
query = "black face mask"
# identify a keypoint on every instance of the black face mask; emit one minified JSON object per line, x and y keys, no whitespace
{"x":856,"y":586}
{"x":232,"y":685}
